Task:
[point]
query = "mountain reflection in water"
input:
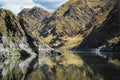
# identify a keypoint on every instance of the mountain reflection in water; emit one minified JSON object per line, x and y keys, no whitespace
{"x":69,"y":66}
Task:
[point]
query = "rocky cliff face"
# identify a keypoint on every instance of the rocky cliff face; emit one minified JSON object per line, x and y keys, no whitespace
{"x":12,"y":37}
{"x":31,"y":20}
{"x":82,"y":24}
{"x":15,"y":38}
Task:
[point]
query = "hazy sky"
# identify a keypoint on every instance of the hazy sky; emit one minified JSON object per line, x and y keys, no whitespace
{"x":17,"y":5}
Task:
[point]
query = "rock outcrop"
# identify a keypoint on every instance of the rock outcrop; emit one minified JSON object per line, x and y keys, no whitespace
{"x":12,"y":36}
{"x":16,"y":39}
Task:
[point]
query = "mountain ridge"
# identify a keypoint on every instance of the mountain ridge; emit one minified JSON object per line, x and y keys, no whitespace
{"x":70,"y":24}
{"x":33,"y":17}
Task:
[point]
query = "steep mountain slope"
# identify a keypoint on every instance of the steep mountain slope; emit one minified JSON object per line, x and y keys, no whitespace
{"x":12,"y":37}
{"x":107,"y":33}
{"x":74,"y":21}
{"x":15,"y":39}
{"x":33,"y":17}
{"x":30,"y":20}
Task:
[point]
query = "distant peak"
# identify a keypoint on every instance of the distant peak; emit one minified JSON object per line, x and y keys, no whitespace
{"x":26,"y":9}
{"x":36,"y":7}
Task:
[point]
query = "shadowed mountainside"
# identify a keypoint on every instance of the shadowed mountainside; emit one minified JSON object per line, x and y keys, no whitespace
{"x":107,"y":33}
{"x":78,"y":22}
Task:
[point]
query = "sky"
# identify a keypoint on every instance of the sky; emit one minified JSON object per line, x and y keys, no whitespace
{"x":17,"y":5}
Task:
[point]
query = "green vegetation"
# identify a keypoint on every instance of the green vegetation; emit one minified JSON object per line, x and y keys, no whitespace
{"x":23,"y":22}
{"x":14,"y":38}
{"x":37,"y":75}
{"x":6,"y":45}
{"x":114,"y":40}
{"x":2,"y":29}
{"x":115,"y":62}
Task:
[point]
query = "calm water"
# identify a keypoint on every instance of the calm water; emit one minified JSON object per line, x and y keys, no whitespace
{"x":69,"y":66}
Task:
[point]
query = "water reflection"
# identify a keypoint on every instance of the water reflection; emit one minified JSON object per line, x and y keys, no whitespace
{"x":70,"y":66}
